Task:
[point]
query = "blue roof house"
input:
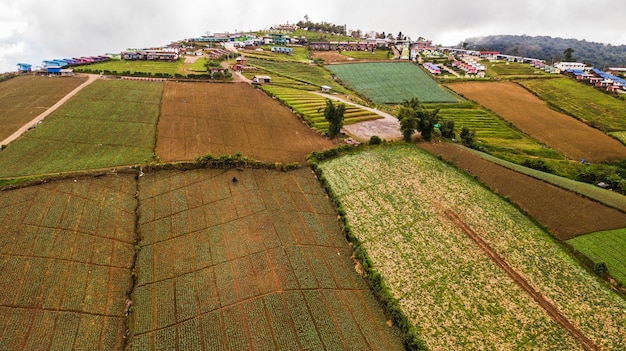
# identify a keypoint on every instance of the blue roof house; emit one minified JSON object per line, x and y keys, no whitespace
{"x":24,"y":67}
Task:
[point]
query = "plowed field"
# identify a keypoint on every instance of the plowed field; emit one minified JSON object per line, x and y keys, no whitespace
{"x":570,"y":137}
{"x":223,"y":119}
{"x":563,"y":212}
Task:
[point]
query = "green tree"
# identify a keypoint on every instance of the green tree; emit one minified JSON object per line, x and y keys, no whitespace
{"x":408,"y":122}
{"x":447,"y":129}
{"x":468,"y":137}
{"x":334,"y":116}
{"x":426,"y":120}
{"x":568,"y":55}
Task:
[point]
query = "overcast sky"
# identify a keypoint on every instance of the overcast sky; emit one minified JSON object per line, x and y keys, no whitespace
{"x":31,"y":30}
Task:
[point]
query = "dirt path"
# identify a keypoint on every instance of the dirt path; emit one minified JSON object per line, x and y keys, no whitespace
{"x":90,"y":79}
{"x":386,"y":128}
{"x":519,"y":280}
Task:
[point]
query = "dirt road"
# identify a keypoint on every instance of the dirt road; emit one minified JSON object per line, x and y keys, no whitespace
{"x":90,"y":79}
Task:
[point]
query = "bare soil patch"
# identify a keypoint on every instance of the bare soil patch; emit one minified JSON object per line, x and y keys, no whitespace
{"x":332,"y":57}
{"x":565,"y":213}
{"x":572,"y":138}
{"x":223,"y":119}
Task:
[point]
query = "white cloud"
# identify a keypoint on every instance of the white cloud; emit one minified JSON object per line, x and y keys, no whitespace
{"x":79,"y":28}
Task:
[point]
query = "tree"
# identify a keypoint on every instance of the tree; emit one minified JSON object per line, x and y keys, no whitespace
{"x":426,"y":120}
{"x":447,"y":129}
{"x":568,"y":55}
{"x":467,"y":137}
{"x":408,"y":122}
{"x":334,"y":116}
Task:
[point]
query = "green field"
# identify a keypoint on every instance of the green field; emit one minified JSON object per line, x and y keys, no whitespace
{"x":136,"y":66}
{"x":508,"y":70}
{"x":608,"y":247}
{"x":581,"y":101}
{"x":311,"y":107}
{"x":24,"y":98}
{"x":108,"y":123}
{"x":66,"y":256}
{"x":391,"y":83}
{"x":302,"y":73}
{"x":411,"y":213}
{"x":491,"y":131}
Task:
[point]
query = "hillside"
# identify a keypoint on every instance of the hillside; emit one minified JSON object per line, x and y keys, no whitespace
{"x":551,"y":49}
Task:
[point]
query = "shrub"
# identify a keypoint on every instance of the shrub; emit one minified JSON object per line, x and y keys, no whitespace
{"x":538,"y":164}
{"x":375,"y":140}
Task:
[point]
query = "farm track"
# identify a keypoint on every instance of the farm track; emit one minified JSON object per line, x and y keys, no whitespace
{"x":91,"y":78}
{"x":519,"y":280}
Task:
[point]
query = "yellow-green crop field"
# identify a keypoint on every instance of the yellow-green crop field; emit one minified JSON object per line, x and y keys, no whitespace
{"x":398,"y":202}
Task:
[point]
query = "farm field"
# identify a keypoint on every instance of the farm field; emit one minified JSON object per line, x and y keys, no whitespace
{"x":139,"y":66}
{"x":257,"y":263}
{"x":24,"y":98}
{"x":227,"y":118}
{"x":404,"y":204}
{"x":108,"y":123}
{"x":491,"y":131}
{"x":606,"y":246}
{"x":331,"y":57}
{"x":311,"y":107}
{"x":66,"y":254}
{"x":581,"y":101}
{"x":303,"y":73}
{"x":568,"y":136}
{"x":577,"y":215}
{"x":391,"y":83}
{"x":511,"y":70}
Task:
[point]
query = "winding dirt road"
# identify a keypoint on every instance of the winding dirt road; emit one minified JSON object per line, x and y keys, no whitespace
{"x":90,"y":79}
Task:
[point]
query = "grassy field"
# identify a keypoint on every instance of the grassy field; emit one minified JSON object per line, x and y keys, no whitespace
{"x":581,"y":101}
{"x":24,"y":98}
{"x":402,"y":203}
{"x":510,"y":70}
{"x":608,"y":247}
{"x":109,"y":123}
{"x":136,"y":66}
{"x":311,"y":107}
{"x":258,"y":263}
{"x":391,"y":83}
{"x":66,"y":254}
{"x":298,"y":54}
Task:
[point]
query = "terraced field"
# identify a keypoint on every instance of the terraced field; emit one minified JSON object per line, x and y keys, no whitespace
{"x":311,"y":107}
{"x":605,"y":247}
{"x":301,"y":72}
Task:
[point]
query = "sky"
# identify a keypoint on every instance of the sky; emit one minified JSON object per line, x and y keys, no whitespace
{"x":32,"y":31}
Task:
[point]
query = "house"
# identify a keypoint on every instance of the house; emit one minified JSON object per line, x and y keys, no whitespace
{"x":261,"y":80}
{"x":282,"y":50}
{"x":564,"y":66}
{"x":66,"y":72}
{"x":325,"y":89}
{"x":24,"y":67}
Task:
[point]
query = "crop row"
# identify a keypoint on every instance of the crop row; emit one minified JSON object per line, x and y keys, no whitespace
{"x":605,"y":247}
{"x":444,"y":282}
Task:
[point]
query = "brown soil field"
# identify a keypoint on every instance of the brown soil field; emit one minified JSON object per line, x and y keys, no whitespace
{"x":66,"y":255}
{"x":572,"y":138}
{"x":564,"y":213}
{"x":223,"y":119}
{"x":256,"y":263}
{"x":24,"y":98}
{"x":332,"y":57}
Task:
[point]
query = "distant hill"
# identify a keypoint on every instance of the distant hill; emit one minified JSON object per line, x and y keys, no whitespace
{"x":551,"y":49}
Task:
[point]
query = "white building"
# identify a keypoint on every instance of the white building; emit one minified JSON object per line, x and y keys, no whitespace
{"x":563,"y":66}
